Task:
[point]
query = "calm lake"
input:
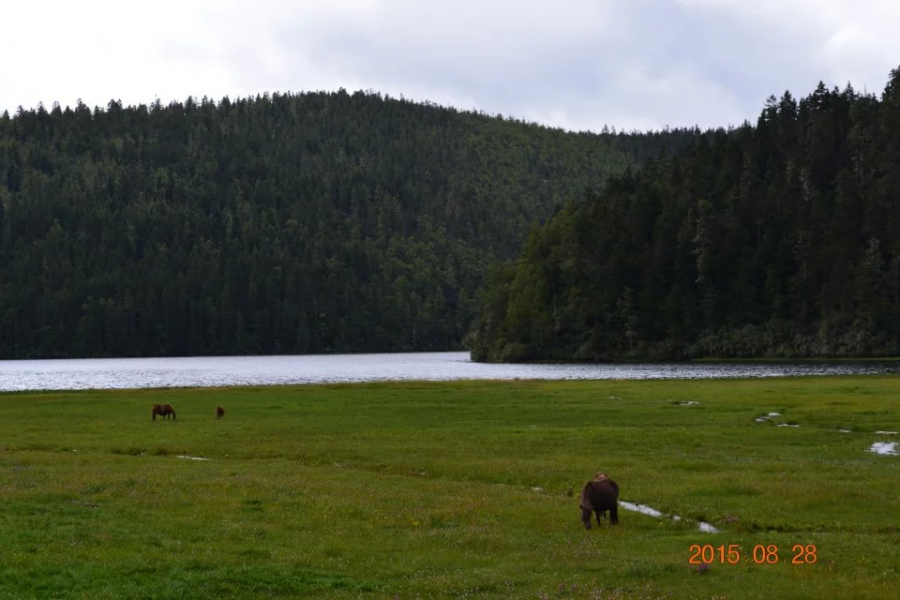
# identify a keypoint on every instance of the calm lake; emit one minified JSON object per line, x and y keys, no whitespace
{"x":122,"y":373}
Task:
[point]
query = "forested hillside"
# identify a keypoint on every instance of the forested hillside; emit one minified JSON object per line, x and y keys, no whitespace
{"x":775,"y":240}
{"x":293,"y":223}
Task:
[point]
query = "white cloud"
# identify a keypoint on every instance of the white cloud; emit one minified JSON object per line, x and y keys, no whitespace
{"x":577,"y":64}
{"x":837,"y":41}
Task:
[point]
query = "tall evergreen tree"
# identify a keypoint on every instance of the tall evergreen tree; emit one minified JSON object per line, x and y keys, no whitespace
{"x":318,"y":222}
{"x":773,"y":240}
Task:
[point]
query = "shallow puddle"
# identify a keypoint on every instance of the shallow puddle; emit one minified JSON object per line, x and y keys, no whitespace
{"x":884,"y":448}
{"x":765,"y":418}
{"x":652,"y":512}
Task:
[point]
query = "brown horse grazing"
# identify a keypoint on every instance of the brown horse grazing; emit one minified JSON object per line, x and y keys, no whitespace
{"x":220,"y":412}
{"x":599,"y":495}
{"x":163,"y":410}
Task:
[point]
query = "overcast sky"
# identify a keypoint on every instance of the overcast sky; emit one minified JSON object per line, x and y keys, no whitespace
{"x":577,"y":64}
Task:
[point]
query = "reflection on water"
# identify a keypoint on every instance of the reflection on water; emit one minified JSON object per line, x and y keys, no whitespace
{"x":120,"y":373}
{"x":650,"y":511}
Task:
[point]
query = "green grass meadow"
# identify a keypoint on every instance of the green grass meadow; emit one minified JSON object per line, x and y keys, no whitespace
{"x":449,"y":490}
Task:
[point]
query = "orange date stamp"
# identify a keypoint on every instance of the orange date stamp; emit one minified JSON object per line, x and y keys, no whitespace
{"x":762,"y":554}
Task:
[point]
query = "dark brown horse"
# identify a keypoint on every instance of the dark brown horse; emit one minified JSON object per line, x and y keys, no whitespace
{"x":163,"y":410}
{"x":220,"y":412}
{"x":598,"y":496}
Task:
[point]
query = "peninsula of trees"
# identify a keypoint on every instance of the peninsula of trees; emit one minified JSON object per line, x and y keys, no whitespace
{"x":775,"y":240}
{"x":284,"y":223}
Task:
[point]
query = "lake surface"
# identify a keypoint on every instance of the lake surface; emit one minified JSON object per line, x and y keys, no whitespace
{"x":123,"y":373}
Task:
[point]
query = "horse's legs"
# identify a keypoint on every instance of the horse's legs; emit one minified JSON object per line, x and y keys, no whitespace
{"x":614,"y":515}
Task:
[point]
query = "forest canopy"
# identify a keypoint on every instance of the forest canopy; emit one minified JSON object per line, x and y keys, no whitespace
{"x":283,"y":223}
{"x":775,"y":240}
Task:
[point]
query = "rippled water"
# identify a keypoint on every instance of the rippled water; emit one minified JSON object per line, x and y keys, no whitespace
{"x":124,"y":373}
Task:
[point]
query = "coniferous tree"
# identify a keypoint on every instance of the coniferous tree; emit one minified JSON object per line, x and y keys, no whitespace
{"x":773,"y":240}
{"x":286,"y":223}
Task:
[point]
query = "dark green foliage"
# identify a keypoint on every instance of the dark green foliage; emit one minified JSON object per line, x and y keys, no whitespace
{"x":778,"y":240}
{"x":287,"y":223}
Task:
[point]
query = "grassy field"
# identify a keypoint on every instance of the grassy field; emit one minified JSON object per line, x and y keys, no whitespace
{"x":456,"y":490}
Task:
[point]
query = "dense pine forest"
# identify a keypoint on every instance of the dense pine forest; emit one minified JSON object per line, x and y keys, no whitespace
{"x":775,"y":240}
{"x":290,"y":223}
